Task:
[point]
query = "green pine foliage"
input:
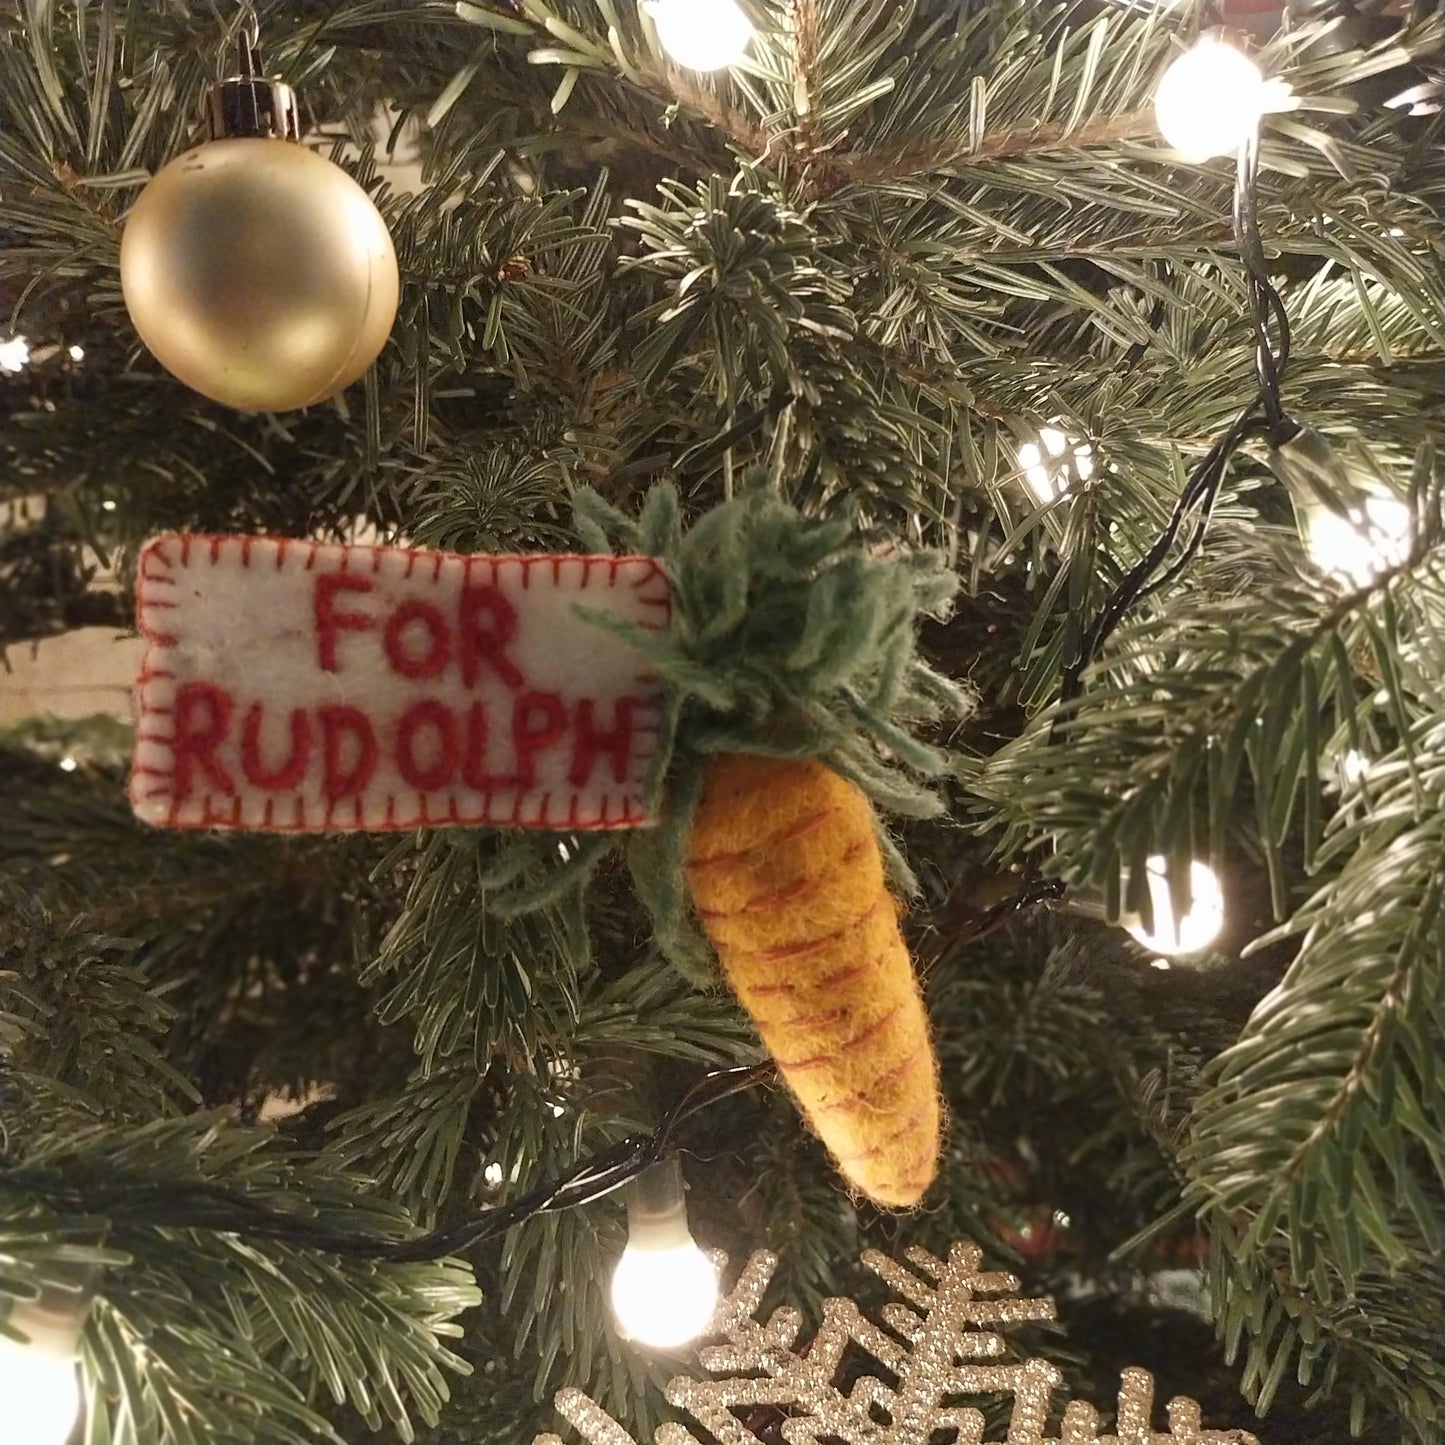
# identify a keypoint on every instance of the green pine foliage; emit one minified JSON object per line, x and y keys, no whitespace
{"x":868,"y":265}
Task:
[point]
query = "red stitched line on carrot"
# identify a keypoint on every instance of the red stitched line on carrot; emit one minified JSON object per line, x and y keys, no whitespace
{"x":783,"y":952}
{"x":766,"y":902}
{"x":908,"y":1127}
{"x":859,"y":1101}
{"x":844,"y":975}
{"x":812,"y":1021}
{"x":853,"y":971}
{"x":788,"y":835}
{"x":871,"y":1032}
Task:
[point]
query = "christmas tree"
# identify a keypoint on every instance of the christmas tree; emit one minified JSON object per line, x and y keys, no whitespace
{"x":899,"y":324}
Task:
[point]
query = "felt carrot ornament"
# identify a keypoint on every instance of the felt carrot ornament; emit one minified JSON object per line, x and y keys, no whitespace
{"x":788,"y":881}
{"x":793,"y":669}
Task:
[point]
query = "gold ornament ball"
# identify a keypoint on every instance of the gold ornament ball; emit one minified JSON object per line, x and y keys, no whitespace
{"x":259,"y":273}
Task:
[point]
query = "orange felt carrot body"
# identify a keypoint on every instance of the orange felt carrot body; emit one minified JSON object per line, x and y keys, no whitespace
{"x":787,"y":877}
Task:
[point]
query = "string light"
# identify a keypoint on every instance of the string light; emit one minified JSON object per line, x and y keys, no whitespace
{"x":39,"y":1387}
{"x":14,"y":354}
{"x":1054,"y":463}
{"x":68,"y":765}
{"x":1361,"y":547}
{"x":1170,"y":934}
{"x":702,"y":34}
{"x":665,"y":1289}
{"x":1352,"y":527}
{"x":77,"y":353}
{"x":41,"y":1396}
{"x":1210,"y":100}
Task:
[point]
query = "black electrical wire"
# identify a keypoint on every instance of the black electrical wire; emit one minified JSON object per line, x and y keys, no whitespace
{"x":1265,"y":413}
{"x":202,"y":1205}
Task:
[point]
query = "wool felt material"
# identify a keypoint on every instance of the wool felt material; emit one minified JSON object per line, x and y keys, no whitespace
{"x":779,"y":698}
{"x":296,"y":686}
{"x":786,"y":875}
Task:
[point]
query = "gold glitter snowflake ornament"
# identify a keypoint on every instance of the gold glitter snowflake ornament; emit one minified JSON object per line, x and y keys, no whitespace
{"x":940,"y":1346}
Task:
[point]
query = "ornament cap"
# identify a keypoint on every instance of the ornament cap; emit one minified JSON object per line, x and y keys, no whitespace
{"x":249,"y":106}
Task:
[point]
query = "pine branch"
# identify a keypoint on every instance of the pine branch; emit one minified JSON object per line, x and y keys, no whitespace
{"x":1055,"y":138}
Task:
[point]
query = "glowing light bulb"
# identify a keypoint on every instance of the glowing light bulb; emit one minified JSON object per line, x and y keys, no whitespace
{"x":14,"y":354}
{"x":1352,"y":526}
{"x":77,"y":353}
{"x":1210,"y":100}
{"x":664,"y":1290}
{"x":68,"y":765}
{"x":1054,"y":463}
{"x":39,"y":1386}
{"x":1201,"y":923}
{"x":1361,"y":546}
{"x":40,"y":1395}
{"x":702,"y":34}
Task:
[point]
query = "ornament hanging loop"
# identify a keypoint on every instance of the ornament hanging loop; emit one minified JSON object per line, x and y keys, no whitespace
{"x":247,"y":105}
{"x":248,"y":42}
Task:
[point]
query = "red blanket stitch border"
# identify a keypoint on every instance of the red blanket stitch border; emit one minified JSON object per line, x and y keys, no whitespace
{"x":156,"y":684}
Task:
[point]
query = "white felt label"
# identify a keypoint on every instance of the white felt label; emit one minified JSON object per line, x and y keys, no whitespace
{"x":304,"y":687}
